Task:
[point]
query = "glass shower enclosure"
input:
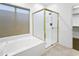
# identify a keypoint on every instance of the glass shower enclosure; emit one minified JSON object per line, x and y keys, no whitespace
{"x":45,"y":26}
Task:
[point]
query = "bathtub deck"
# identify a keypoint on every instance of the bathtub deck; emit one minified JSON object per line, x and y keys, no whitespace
{"x":15,"y":45}
{"x":32,"y":42}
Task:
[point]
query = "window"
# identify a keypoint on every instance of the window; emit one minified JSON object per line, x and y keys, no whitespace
{"x":13,"y":20}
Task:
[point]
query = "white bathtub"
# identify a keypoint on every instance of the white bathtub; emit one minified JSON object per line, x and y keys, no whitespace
{"x":24,"y":45}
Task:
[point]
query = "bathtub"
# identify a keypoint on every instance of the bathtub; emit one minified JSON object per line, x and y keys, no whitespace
{"x":23,"y":45}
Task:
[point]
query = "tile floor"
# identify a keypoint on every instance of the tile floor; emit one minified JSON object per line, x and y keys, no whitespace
{"x":60,"y":50}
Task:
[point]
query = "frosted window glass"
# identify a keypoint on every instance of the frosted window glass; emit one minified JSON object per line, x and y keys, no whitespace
{"x":7,"y":20}
{"x":22,"y":17}
{"x":13,"y":21}
{"x":22,"y":11}
{"x":6,"y":8}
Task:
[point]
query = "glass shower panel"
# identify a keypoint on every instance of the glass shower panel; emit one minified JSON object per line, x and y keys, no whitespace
{"x":51,"y":28}
{"x":7,"y":22}
{"x":22,"y":21}
{"x":38,"y":24}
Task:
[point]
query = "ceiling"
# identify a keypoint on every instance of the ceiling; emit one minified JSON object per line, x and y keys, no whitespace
{"x":46,"y":4}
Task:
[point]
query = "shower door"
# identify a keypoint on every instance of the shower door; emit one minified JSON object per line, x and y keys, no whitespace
{"x":51,"y":28}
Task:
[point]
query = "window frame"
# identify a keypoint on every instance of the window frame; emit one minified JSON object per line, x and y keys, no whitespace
{"x":15,"y":8}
